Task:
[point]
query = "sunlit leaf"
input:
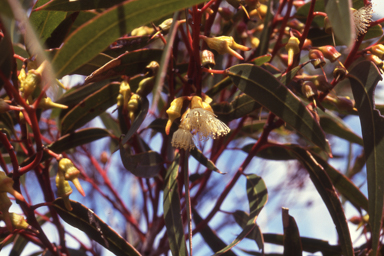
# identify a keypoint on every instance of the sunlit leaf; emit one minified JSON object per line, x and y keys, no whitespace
{"x":201,"y":158}
{"x":213,"y":241}
{"x":262,"y":59}
{"x":364,"y":78}
{"x":84,"y":43}
{"x":144,"y":165}
{"x":269,"y":92}
{"x":45,"y":22}
{"x":242,"y":218}
{"x":90,"y":107}
{"x":340,"y":17}
{"x":292,"y":241}
{"x":87,"y":221}
{"x":72,"y":6}
{"x":257,"y":197}
{"x":129,"y":64}
{"x":172,"y":209}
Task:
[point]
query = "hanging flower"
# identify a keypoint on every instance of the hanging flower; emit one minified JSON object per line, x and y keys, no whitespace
{"x":183,"y":138}
{"x":362,"y":18}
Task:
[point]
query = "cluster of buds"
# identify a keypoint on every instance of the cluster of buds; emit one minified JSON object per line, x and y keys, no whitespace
{"x":67,"y":172}
{"x":225,"y":44}
{"x":30,"y":82}
{"x":377,"y":56}
{"x":199,"y":118}
{"x":340,"y":103}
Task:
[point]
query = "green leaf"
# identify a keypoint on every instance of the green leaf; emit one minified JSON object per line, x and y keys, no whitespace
{"x":269,"y":92}
{"x":242,"y":218}
{"x":144,"y":165}
{"x":92,"y":65}
{"x":87,"y":221}
{"x":172,"y":209}
{"x":287,"y":77}
{"x":128,"y":44}
{"x":213,"y":241}
{"x":292,"y":242}
{"x":84,"y":44}
{"x":364,"y":78}
{"x":334,"y":125}
{"x":327,"y":192}
{"x":340,"y":17}
{"x":257,"y":197}
{"x":309,"y":244}
{"x":239,"y":107}
{"x":73,"y":6}
{"x":201,"y":158}
{"x":144,"y":106}
{"x":262,"y":49}
{"x":45,"y":22}
{"x":219,"y":87}
{"x":262,"y":59}
{"x":270,"y":153}
{"x":129,"y":64}
{"x":90,"y":107}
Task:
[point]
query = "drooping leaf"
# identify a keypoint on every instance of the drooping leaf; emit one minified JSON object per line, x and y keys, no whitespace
{"x":90,"y":107}
{"x":45,"y":22}
{"x":87,"y":221}
{"x":128,"y":44}
{"x":201,"y":158}
{"x":144,"y":165}
{"x":219,"y":87}
{"x":364,"y":78}
{"x":327,"y":192}
{"x":332,"y":124}
{"x":271,"y":153}
{"x":309,"y":244}
{"x":144,"y":106}
{"x":269,"y":92}
{"x":84,"y":44}
{"x":172,"y":209}
{"x":242,"y":218}
{"x":92,"y":65}
{"x":239,"y":107}
{"x":73,"y":6}
{"x":129,"y":64}
{"x":213,"y":241}
{"x":292,"y":241}
{"x":257,"y":197}
{"x":340,"y":18}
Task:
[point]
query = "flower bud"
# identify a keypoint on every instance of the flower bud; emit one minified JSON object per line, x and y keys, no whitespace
{"x":207,"y":59}
{"x":340,"y":72}
{"x":142,"y":31}
{"x":295,"y":24}
{"x":378,"y":50}
{"x":71,"y":173}
{"x":261,"y":11}
{"x":46,"y":103}
{"x":104,"y":157}
{"x":307,"y":43}
{"x":63,"y":190}
{"x":166,"y":25}
{"x":6,"y":184}
{"x":342,"y":104}
{"x":330,"y":52}
{"x":133,"y":106}
{"x":174,"y":111}
{"x":18,"y":221}
{"x":5,"y":204}
{"x":375,"y":59}
{"x":317,"y":58}
{"x":293,"y":48}
{"x":22,"y":75}
{"x":255,"y":42}
{"x":120,"y":101}
{"x":29,"y":84}
{"x":146,"y":86}
{"x":207,"y":107}
{"x":225,"y":44}
{"x":152,"y":68}
{"x":196,"y":102}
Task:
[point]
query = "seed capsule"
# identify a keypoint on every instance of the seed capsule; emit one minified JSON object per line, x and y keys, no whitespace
{"x":317,"y":58}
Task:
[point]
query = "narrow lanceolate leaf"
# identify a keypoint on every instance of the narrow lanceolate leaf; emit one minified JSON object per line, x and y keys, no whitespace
{"x":201,"y":158}
{"x":340,"y":17}
{"x":129,"y":64}
{"x":45,"y":22}
{"x":143,"y":110}
{"x":239,"y":107}
{"x":327,"y":192}
{"x":92,"y":65}
{"x":213,"y":241}
{"x":90,"y":107}
{"x":144,"y":165}
{"x":72,"y":140}
{"x":172,"y":209}
{"x":87,"y":221}
{"x":257,"y":197}
{"x":84,"y":43}
{"x":242,"y":218}
{"x":269,"y":92}
{"x":292,"y":241}
{"x":73,"y":6}
{"x":364,"y":78}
